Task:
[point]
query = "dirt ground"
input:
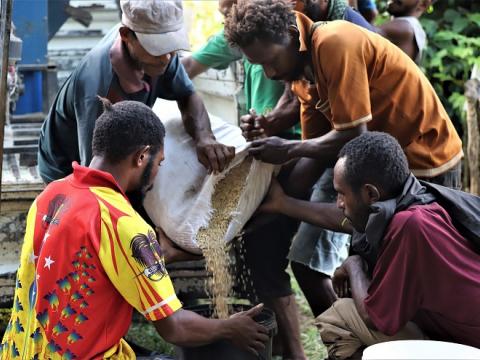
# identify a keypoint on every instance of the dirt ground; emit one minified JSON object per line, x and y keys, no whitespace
{"x":312,"y":343}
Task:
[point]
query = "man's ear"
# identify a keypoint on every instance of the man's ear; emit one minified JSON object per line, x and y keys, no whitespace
{"x":124,"y":33}
{"x":141,"y":156}
{"x":293,"y":31}
{"x":371,"y":193}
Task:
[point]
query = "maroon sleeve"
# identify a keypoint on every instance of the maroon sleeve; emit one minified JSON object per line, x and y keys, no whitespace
{"x":394,"y":294}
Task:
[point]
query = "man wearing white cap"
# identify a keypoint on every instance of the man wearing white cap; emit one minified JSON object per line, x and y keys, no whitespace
{"x":136,"y":60}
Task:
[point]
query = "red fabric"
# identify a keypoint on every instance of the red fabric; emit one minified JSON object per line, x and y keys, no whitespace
{"x":426,"y":272}
{"x":86,"y":290}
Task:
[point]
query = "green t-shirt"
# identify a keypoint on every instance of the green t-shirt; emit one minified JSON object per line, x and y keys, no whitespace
{"x":216,"y":53}
{"x":261,"y":93}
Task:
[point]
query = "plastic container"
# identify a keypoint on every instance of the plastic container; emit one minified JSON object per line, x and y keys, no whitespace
{"x":222,"y":350}
{"x":420,"y":350}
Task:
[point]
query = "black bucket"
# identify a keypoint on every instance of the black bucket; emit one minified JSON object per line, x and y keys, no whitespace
{"x":222,"y":350}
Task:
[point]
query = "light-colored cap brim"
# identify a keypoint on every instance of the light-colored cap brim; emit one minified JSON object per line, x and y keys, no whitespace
{"x":161,"y":44}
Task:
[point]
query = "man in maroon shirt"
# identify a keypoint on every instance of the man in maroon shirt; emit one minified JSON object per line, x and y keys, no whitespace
{"x":418,"y":275}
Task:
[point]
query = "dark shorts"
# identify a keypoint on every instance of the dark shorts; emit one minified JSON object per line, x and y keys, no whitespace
{"x":266,"y":252}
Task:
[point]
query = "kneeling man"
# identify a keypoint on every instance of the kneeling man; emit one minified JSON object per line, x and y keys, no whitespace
{"x":417,"y":269}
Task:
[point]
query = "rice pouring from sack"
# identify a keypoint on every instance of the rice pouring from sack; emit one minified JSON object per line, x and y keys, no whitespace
{"x":211,"y":239}
{"x":188,"y":217}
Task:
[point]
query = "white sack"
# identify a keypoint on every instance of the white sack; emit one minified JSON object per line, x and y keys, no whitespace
{"x":180,"y":201}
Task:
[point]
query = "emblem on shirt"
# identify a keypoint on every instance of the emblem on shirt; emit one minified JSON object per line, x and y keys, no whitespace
{"x":56,"y":208}
{"x":147,"y":253}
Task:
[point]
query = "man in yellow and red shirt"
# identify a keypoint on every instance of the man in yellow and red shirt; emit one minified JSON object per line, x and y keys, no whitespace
{"x":89,"y":259}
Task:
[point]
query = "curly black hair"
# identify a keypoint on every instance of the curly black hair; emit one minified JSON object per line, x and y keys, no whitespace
{"x":124,"y":128}
{"x":375,"y":158}
{"x":266,"y":20}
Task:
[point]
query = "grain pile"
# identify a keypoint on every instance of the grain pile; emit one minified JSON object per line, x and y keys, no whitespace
{"x":211,"y":239}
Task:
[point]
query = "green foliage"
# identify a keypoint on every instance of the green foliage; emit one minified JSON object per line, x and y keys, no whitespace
{"x":203,"y":19}
{"x":453,"y":30}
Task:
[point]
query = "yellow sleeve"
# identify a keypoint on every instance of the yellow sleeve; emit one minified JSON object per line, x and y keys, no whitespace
{"x":132,"y":258}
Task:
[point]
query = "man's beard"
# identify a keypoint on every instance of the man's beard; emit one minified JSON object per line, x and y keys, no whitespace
{"x":130,"y":58}
{"x":145,"y":180}
{"x":137,"y":196}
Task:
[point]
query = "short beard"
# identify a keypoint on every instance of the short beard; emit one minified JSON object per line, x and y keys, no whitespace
{"x":131,"y":59}
{"x":137,"y":196}
{"x":144,"y":182}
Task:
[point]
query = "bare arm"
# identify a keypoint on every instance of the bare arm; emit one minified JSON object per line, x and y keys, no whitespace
{"x":325,"y":148}
{"x":186,"y":328}
{"x":359,"y":283}
{"x":326,"y":215}
{"x":193,"y":67}
{"x":285,"y":115}
{"x":401,"y":34}
{"x":213,"y":155}
{"x":195,"y":117}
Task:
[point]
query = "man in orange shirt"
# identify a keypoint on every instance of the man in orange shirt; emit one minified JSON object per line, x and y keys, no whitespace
{"x":349,"y":81}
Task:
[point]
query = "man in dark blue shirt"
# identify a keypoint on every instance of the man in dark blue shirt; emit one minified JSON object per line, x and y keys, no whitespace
{"x":135,"y":61}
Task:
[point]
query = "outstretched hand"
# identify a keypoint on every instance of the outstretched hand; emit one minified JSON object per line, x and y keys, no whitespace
{"x":247,"y":333}
{"x":273,"y":150}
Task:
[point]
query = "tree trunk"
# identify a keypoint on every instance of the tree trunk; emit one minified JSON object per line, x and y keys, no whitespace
{"x":472,"y":93}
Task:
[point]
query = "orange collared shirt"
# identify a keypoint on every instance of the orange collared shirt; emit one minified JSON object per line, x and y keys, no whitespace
{"x":360,"y":77}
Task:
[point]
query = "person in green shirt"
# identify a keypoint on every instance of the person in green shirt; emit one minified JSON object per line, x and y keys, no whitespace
{"x":261,"y":93}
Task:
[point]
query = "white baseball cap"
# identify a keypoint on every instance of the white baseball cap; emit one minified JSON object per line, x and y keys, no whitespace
{"x":158,"y":24}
